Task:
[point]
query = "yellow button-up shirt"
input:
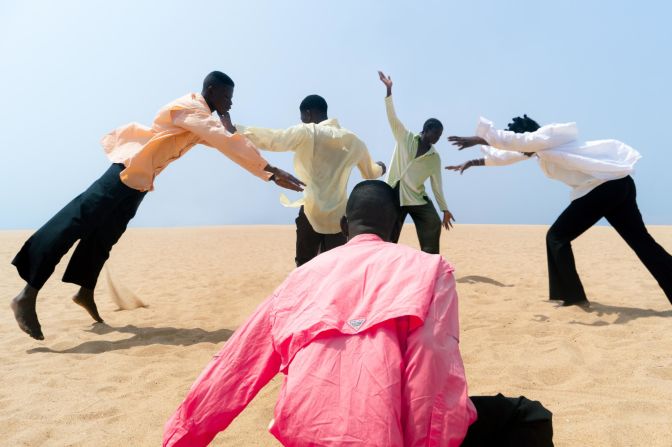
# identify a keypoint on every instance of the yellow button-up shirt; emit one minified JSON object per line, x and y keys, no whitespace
{"x":324,"y":155}
{"x":410,"y":171}
{"x":179,"y":126}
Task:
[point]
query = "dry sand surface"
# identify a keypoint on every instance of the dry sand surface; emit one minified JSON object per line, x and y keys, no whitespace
{"x":606,"y":374}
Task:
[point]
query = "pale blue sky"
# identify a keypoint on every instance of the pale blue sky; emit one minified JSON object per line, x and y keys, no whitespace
{"x":73,"y":70}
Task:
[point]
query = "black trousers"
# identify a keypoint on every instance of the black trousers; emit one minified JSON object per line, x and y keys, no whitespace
{"x":509,"y":422}
{"x":427,"y":224}
{"x":310,"y":243}
{"x":615,"y":200}
{"x":97,"y":218}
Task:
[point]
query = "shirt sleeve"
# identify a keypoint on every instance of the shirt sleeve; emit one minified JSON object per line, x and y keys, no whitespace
{"x":545,"y":137}
{"x":247,"y":362}
{"x":367,"y":167}
{"x":436,"y":181}
{"x":277,"y":140}
{"x":212,"y":133}
{"x":440,"y":410}
{"x":398,"y":130}
{"x":497,"y":157}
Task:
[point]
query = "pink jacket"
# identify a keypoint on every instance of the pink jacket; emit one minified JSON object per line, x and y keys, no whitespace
{"x":367,"y":337}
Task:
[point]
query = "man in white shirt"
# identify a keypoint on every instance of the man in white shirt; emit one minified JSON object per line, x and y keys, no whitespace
{"x":599,"y":174}
{"x":324,"y":156}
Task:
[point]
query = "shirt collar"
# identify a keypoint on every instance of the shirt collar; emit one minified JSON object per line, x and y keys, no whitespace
{"x":201,"y":100}
{"x":331,"y":122}
{"x":366,"y":237}
{"x":432,"y":149}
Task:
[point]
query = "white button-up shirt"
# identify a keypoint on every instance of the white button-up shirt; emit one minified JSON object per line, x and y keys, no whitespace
{"x":583,"y":165}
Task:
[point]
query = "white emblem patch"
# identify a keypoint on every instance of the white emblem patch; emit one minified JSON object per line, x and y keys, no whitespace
{"x":356,"y":323}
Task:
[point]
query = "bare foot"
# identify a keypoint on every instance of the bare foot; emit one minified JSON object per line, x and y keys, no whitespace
{"x":85,"y":299}
{"x":23,"y":306}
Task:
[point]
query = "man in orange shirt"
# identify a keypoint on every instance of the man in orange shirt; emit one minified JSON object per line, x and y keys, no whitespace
{"x":99,"y":216}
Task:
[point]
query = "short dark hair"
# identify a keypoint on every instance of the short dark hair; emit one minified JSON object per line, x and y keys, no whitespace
{"x":216,"y":79}
{"x":313,"y":102}
{"x":524,"y":124}
{"x":432,"y":123}
{"x":374,"y":204}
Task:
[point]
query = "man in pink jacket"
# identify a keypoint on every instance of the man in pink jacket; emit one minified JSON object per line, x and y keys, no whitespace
{"x":367,"y":338}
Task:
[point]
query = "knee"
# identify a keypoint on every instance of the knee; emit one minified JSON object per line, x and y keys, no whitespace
{"x":554,"y":238}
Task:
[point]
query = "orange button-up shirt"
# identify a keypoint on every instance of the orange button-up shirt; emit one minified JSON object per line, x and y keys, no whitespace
{"x":179,"y":126}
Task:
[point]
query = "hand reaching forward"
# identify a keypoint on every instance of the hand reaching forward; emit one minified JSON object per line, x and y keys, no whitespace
{"x":284,"y":179}
{"x":465,"y":142}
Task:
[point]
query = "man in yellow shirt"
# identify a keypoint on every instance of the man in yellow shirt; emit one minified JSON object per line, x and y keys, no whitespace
{"x":324,"y":156}
{"x":99,"y":216}
{"x":415,"y":159}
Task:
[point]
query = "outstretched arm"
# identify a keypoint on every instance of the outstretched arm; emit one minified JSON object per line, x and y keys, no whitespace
{"x":466,"y":165}
{"x":398,"y":129}
{"x":465,"y":142}
{"x":546,"y":137}
{"x":235,"y":375}
{"x":239,"y":149}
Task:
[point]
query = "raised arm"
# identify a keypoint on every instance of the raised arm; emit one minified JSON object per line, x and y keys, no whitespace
{"x":398,"y":129}
{"x":235,"y":146}
{"x":247,"y":362}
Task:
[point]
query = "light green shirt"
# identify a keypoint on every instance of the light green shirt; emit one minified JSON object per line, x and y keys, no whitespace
{"x":410,"y":171}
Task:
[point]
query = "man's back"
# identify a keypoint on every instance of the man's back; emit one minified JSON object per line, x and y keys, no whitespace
{"x":325,"y":154}
{"x":362,"y":331}
{"x":367,"y":336}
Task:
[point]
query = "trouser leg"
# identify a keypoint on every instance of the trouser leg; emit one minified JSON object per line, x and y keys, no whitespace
{"x":581,"y":214}
{"x":627,"y":221}
{"x":94,"y":249}
{"x":308,"y":241}
{"x":41,"y":253}
{"x":427,"y":226}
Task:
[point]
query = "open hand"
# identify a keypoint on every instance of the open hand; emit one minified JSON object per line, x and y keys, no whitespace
{"x":447,"y":218}
{"x":386,"y":79}
{"x":285,"y":179}
{"x":465,"y":142}
{"x":461,"y":168}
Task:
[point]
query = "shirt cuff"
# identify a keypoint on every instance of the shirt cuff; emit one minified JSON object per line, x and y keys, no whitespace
{"x":483,"y":127}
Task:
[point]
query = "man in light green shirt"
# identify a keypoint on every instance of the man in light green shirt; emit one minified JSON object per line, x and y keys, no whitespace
{"x":415,"y":160}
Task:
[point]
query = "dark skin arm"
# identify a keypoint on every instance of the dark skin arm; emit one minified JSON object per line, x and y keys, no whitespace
{"x":284,"y":179}
{"x":466,"y":165}
{"x":280,"y":177}
{"x":465,"y":142}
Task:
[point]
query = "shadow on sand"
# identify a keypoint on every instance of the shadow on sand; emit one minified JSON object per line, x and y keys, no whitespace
{"x":142,"y":336}
{"x":624,"y":314}
{"x":473,"y":279}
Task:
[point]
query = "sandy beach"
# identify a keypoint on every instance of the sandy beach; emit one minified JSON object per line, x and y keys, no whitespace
{"x":606,"y":373}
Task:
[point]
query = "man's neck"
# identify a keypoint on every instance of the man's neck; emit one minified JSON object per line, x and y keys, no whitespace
{"x":207,"y":101}
{"x":319,"y":119}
